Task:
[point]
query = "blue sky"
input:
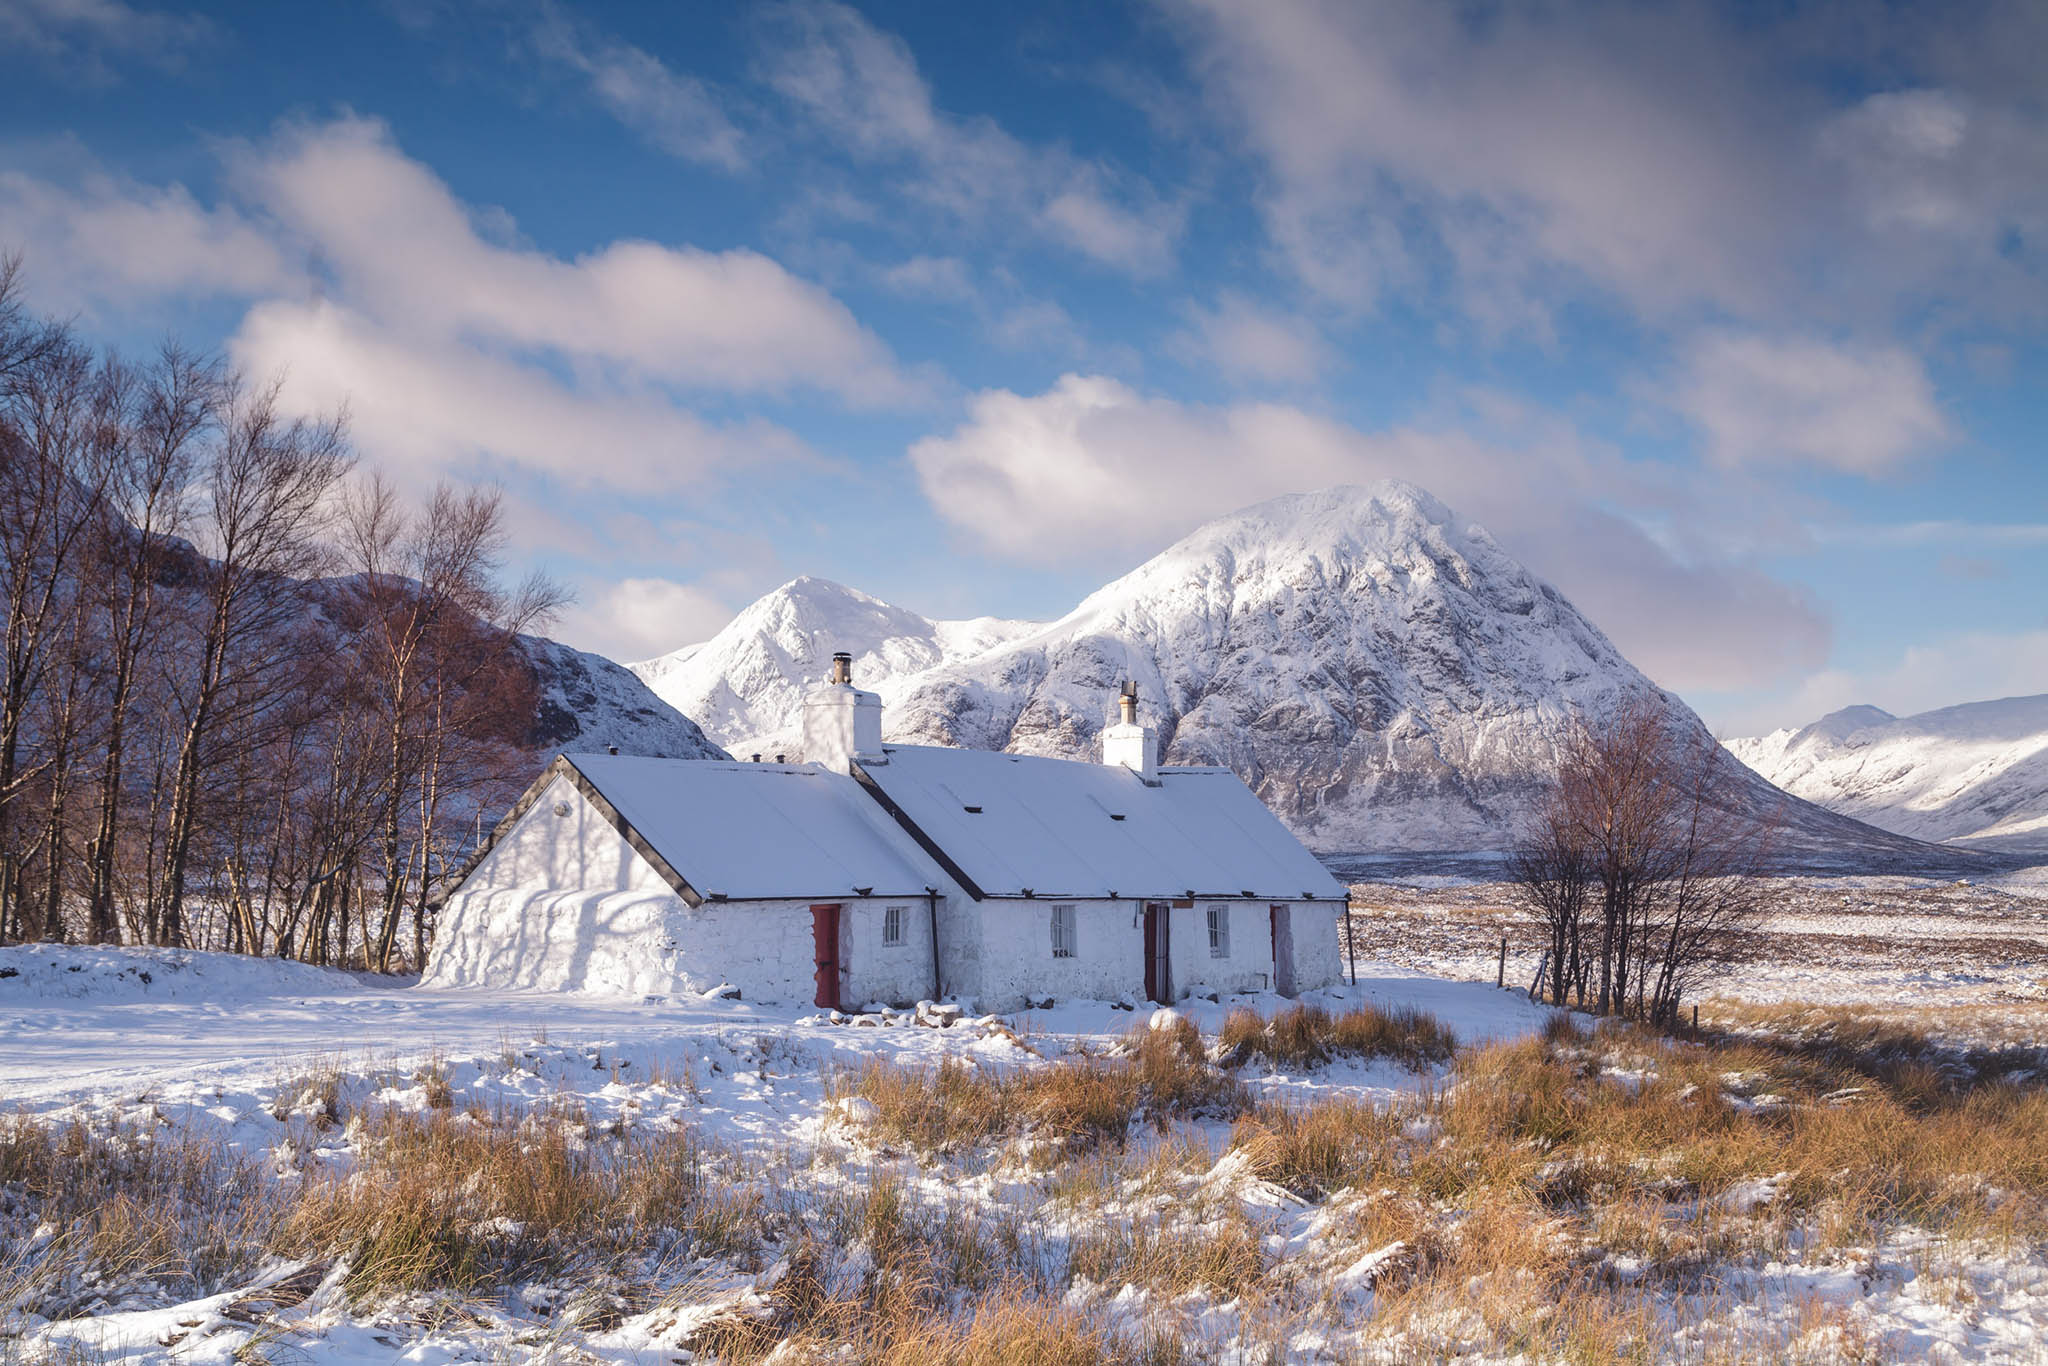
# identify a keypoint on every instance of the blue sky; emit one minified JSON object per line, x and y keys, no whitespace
{"x":1731,"y":321}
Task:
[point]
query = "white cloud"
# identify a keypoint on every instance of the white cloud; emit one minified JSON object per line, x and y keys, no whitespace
{"x":1092,"y":471}
{"x":1974,"y":666}
{"x":863,"y":88}
{"x":422,"y":409}
{"x":1672,"y":157}
{"x":84,"y":36}
{"x":1762,"y":400}
{"x":677,"y":114}
{"x":732,"y":320}
{"x":1246,"y":341}
{"x":455,"y":349}
{"x":641,"y":618}
{"x":106,"y":241}
{"x":935,"y":277}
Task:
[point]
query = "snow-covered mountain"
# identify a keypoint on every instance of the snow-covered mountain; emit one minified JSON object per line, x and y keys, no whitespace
{"x":1382,"y":673}
{"x":1974,"y":775}
{"x":746,"y":685}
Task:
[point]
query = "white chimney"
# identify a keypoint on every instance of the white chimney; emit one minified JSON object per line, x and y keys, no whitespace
{"x":840,"y":721}
{"x":1128,"y":744}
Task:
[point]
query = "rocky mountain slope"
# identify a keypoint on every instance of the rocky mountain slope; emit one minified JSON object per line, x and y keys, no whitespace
{"x":1974,"y":775}
{"x":1382,"y":673}
{"x":587,"y":703}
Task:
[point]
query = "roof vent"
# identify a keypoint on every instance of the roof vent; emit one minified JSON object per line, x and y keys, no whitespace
{"x":778,"y":758}
{"x":611,"y":749}
{"x":842,"y":667}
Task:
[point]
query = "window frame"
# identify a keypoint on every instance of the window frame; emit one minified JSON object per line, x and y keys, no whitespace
{"x":1219,"y":930}
{"x":894,"y":920}
{"x":1066,"y":931}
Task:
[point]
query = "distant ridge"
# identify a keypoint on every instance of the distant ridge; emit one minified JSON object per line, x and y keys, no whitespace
{"x":1974,"y":775}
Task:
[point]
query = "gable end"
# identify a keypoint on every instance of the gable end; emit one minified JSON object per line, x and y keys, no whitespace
{"x":563,"y":768}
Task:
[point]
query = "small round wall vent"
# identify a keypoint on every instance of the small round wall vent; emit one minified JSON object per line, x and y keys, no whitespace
{"x":561,"y":808}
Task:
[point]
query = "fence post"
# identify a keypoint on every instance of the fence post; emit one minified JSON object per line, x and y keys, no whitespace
{"x":1500,"y":976}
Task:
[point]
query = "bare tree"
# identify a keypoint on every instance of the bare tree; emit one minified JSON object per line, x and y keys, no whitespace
{"x":1551,"y":867}
{"x":1641,"y":861}
{"x":53,"y":422}
{"x":263,"y":490}
{"x":436,"y":628}
{"x":173,"y":405}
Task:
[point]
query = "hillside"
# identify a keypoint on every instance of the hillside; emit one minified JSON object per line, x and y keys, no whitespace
{"x":1974,"y":775}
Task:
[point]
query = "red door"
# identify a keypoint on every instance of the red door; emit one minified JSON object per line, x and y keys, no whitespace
{"x":1157,"y":979}
{"x":825,"y":945}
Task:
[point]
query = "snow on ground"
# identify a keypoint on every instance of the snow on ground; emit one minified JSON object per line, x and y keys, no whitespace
{"x":269,"y":1018}
{"x":234,"y":1050}
{"x":1893,"y":941}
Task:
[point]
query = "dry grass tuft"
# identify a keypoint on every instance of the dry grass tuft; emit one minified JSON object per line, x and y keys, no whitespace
{"x":1308,"y":1036}
{"x":450,"y":1201}
{"x":1076,"y":1104}
{"x":91,"y":1215}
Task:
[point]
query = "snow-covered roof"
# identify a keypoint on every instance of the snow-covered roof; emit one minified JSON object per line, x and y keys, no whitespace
{"x":756,"y":832}
{"x":1015,"y":825}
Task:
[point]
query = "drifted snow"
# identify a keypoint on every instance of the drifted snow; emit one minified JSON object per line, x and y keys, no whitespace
{"x":1975,"y":774}
{"x":754,"y":1082}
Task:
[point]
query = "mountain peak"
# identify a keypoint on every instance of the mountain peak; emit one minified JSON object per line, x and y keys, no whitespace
{"x":1380,"y":672}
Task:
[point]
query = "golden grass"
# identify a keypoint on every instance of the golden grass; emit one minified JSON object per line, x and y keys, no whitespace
{"x":1308,"y":1036}
{"x":454,"y":1201}
{"x":1074,"y":1104}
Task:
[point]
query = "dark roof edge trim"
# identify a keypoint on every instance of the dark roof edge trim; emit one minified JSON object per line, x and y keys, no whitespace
{"x":911,"y":828}
{"x":563,"y":767}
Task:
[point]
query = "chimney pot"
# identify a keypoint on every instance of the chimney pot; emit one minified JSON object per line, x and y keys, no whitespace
{"x":842,"y":667}
{"x":1128,"y":744}
{"x":611,"y":749}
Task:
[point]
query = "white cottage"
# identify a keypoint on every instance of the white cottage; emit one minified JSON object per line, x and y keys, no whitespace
{"x":883,"y":872}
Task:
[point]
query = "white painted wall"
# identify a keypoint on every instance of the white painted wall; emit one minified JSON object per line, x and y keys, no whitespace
{"x":872,"y":970}
{"x":1318,"y":959}
{"x":1017,"y":960}
{"x":1249,"y":964}
{"x":562,"y":903}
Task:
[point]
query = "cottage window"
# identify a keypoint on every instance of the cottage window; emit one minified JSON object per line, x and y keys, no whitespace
{"x":1063,"y":937}
{"x":892,"y":924}
{"x":1219,"y":931}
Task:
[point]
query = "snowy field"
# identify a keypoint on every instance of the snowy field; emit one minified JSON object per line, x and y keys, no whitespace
{"x":1207,"y":1224}
{"x":1896,"y":943}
